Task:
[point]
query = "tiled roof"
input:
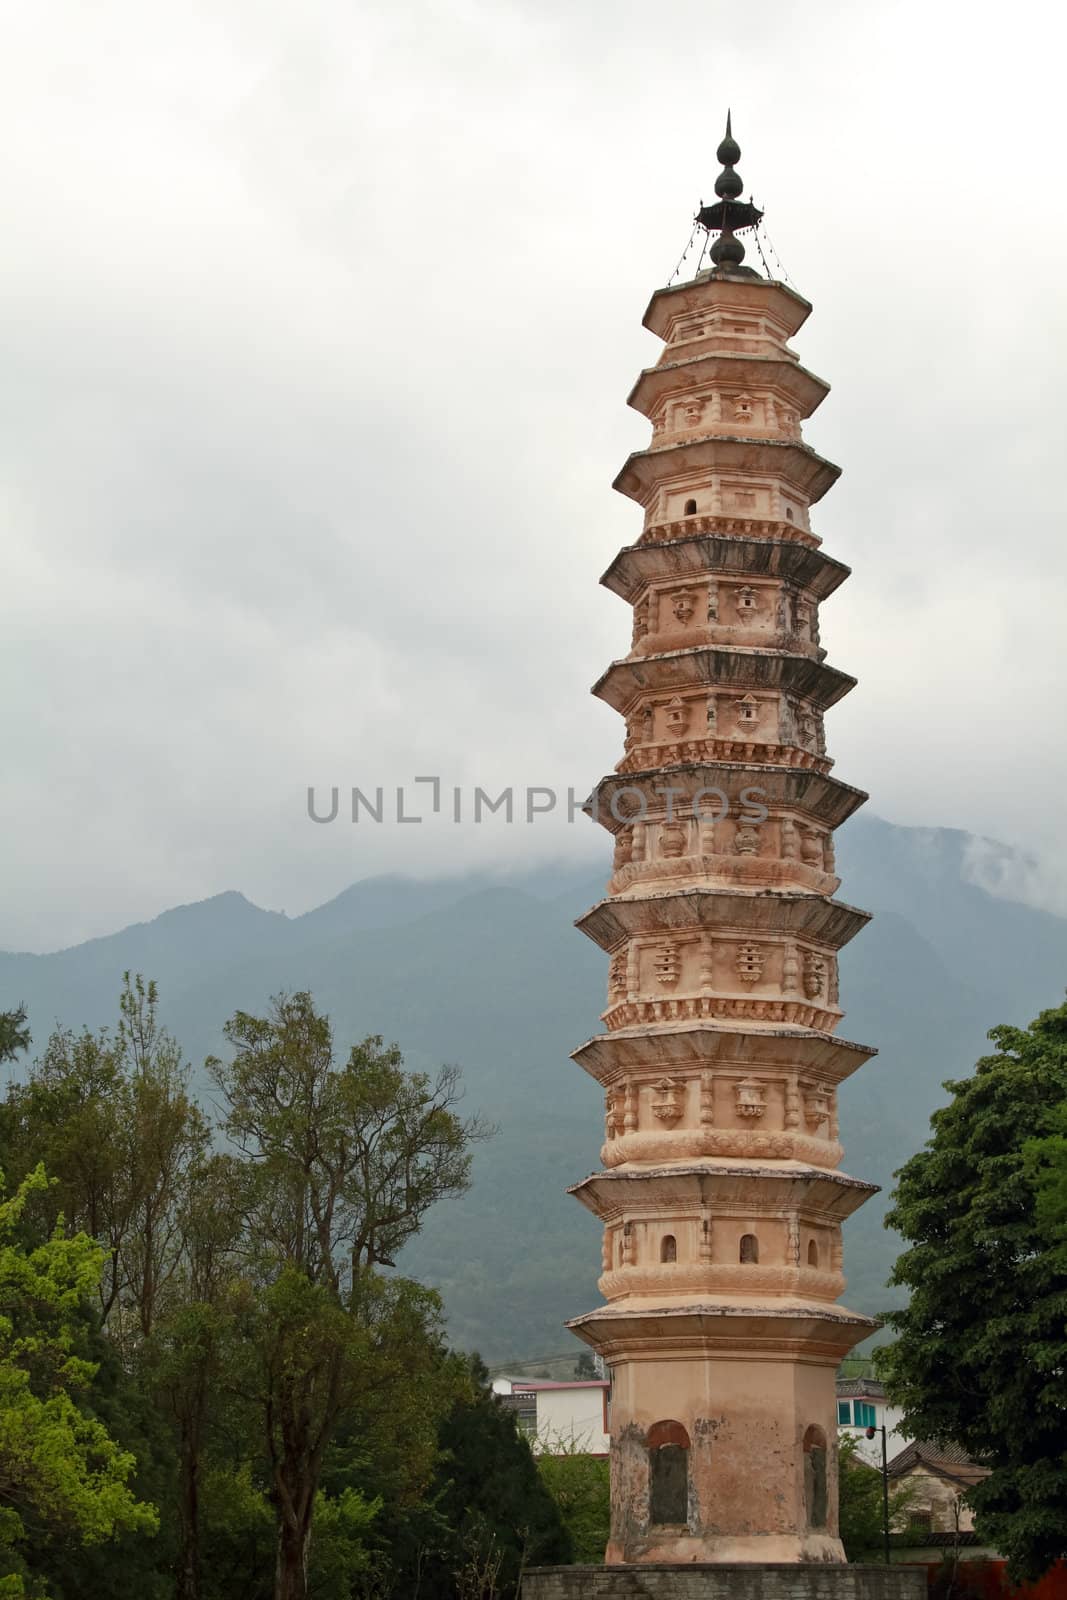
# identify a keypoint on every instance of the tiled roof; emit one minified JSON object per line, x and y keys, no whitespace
{"x":864,"y":1388}
{"x":947,"y":1460}
{"x":579,"y":1383}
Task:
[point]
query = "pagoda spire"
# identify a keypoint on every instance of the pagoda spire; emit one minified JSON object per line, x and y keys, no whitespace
{"x":731,"y":215}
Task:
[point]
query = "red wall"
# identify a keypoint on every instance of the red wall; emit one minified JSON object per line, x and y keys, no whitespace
{"x":987,"y":1580}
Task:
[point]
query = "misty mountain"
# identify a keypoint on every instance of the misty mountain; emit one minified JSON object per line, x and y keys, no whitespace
{"x":489,"y":972}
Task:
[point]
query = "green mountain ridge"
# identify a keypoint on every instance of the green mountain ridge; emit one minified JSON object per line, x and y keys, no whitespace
{"x":488,"y":971}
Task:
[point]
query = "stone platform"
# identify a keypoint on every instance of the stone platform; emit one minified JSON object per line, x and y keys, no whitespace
{"x":710,"y":1581}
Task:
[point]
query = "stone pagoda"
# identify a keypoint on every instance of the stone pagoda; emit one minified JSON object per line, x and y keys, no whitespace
{"x":721,"y":1194}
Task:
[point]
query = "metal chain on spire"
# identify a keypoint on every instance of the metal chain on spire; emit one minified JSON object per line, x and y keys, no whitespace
{"x":728,"y":217}
{"x":759,"y":250}
{"x":782,"y":273}
{"x":683,"y":255}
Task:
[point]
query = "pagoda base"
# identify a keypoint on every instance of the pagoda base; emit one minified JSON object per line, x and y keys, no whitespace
{"x":707,"y":1581}
{"x":723,"y":1429}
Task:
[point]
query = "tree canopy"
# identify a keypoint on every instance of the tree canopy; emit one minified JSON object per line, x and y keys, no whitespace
{"x":980,"y":1355}
{"x":487,"y":1514}
{"x":213,"y":1382}
{"x":343,"y":1160}
{"x":861,"y":1503}
{"x":14,"y":1034}
{"x":62,"y":1476}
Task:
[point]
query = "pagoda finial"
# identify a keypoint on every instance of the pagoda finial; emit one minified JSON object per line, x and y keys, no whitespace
{"x":729,"y":151}
{"x":731,"y":214}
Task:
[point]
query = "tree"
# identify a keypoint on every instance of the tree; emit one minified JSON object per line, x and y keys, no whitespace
{"x":1046,"y":1165}
{"x":980,"y":1356}
{"x":861,"y":1505}
{"x":580,"y":1486}
{"x":346,"y":1158}
{"x":14,"y":1034}
{"x":187,"y":1359}
{"x":165,"y":1145}
{"x":112,"y":1117}
{"x":488,"y":1514}
{"x":61,"y":1474}
{"x":69,"y":1116}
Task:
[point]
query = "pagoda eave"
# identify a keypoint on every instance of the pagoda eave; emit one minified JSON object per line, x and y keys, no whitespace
{"x":721,"y":1186}
{"x":813,"y":794}
{"x":805,"y":1331}
{"x":787,"y":379}
{"x":773,"y":300}
{"x":828,"y":922}
{"x":608,"y":1057}
{"x":639,"y":565}
{"x":724,"y":667}
{"x":675,"y":527}
{"x":797,"y":465}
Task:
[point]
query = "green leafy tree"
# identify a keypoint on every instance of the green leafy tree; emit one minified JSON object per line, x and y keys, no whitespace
{"x":386,"y":1443}
{"x":62,"y":1476}
{"x":344,"y":1554}
{"x":236,"y":1529}
{"x":165,"y":1145}
{"x":1046,"y":1166}
{"x":580,"y":1486}
{"x":347,"y":1157}
{"x":488,"y":1514}
{"x":68,"y":1115}
{"x":14,"y":1034}
{"x":187,"y":1360}
{"x":111,"y":1116}
{"x":980,"y":1355}
{"x":861,"y":1506}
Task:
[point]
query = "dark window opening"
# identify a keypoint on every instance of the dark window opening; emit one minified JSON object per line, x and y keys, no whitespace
{"x":668,"y":1250}
{"x":690,"y":508}
{"x":749,"y":1251}
{"x":813,"y":1253}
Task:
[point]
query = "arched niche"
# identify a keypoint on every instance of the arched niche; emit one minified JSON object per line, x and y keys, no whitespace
{"x":813,"y":1253}
{"x":668,"y":1473}
{"x":668,"y":1250}
{"x":815,"y":1489}
{"x":748,"y":1249}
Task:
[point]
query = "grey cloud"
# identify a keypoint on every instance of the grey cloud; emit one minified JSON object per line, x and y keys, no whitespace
{"x":316,"y":330}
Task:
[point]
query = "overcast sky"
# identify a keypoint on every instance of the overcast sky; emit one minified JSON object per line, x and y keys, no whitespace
{"x":318,"y":321}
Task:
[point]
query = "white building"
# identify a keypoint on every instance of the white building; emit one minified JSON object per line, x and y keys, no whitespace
{"x":566,"y":1418}
{"x":861,"y":1404}
{"x":560,"y":1418}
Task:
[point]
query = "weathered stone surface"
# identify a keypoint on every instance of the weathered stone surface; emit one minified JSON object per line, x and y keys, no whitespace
{"x":704,"y":1581}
